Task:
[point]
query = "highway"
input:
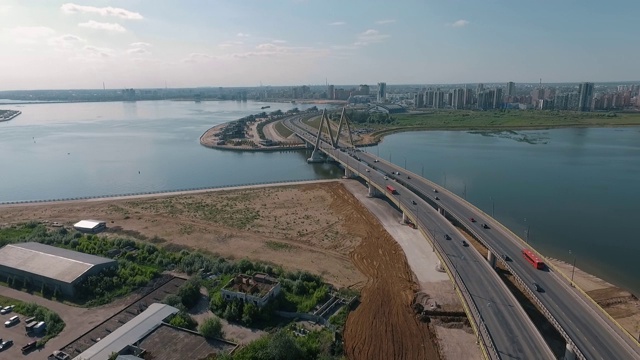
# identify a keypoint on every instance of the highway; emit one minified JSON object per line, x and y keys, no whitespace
{"x":511,"y":332}
{"x":594,"y":334}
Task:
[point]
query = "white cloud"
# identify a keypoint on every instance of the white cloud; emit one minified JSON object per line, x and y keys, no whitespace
{"x":66,"y":41}
{"x":91,"y":24}
{"x":139,"y":51}
{"x":460,"y":23}
{"x":70,"y":8}
{"x":369,"y":37}
{"x":337,"y":23}
{"x":140,"y":45}
{"x":4,"y":9}
{"x":279,"y":41}
{"x":99,"y":52}
{"x":242,"y":35}
{"x":230,"y":44}
{"x":197,"y":58}
{"x":386,"y":21}
{"x":30,"y":34}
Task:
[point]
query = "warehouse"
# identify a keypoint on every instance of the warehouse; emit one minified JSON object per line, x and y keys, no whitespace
{"x":90,"y":226}
{"x":57,"y":268}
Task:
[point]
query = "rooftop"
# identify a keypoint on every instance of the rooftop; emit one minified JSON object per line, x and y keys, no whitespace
{"x":257,"y":285}
{"x":49,"y":261}
{"x":171,"y":343}
{"x":129,"y":333}
{"x":88,"y":224}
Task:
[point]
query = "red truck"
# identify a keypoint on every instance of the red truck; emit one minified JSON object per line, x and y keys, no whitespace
{"x":391,"y":189}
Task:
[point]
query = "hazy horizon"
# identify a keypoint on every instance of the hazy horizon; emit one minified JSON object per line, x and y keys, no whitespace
{"x":57,"y":45}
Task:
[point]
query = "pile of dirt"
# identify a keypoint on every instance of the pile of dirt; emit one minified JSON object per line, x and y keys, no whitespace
{"x":384,"y":325}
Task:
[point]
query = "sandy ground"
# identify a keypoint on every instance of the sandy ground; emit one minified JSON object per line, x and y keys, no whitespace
{"x":321,"y":228}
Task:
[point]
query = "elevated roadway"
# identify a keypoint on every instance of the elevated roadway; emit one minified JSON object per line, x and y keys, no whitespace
{"x":503,"y":326}
{"x":586,"y":327}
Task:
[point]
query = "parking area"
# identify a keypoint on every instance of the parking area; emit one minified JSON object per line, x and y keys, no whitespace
{"x":18,"y":334}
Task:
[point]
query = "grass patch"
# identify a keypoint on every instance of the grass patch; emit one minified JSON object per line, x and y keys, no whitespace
{"x":278,"y":246}
{"x":282,"y":130}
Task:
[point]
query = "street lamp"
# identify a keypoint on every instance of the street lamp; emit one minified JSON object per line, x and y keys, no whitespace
{"x":422,"y":171}
{"x":493,"y":208}
{"x":573,"y":269}
{"x":405,"y":163}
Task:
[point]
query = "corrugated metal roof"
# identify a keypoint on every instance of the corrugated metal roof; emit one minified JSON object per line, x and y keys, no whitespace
{"x":129,"y":333}
{"x":49,"y":261}
{"x":87,"y":224}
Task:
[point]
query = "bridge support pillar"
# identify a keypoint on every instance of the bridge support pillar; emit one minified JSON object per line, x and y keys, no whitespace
{"x":373,"y":192}
{"x":404,"y":218}
{"x":569,"y":354}
{"x":441,"y":211}
{"x":316,"y":157}
{"x":491,"y":258}
{"x":348,"y":173}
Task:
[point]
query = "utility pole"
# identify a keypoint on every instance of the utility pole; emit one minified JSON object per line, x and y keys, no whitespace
{"x":573,"y":269}
{"x":422,"y":171}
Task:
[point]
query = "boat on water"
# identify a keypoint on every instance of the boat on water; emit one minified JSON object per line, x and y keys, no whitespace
{"x":265,"y":107}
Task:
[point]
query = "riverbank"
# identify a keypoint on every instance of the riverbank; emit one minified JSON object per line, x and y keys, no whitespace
{"x":6,"y":115}
{"x":211,"y":139}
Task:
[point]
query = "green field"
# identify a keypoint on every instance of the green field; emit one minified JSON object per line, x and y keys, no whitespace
{"x":501,"y":120}
{"x":283,"y":130}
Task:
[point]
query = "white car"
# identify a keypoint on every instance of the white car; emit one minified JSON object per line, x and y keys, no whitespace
{"x":6,"y":309}
{"x":12,"y":320}
{"x":386,"y":178}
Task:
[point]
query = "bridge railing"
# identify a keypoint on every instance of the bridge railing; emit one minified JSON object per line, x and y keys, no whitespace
{"x":519,"y":280}
{"x":470,"y":307}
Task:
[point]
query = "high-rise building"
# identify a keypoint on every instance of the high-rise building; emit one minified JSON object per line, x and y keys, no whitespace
{"x":363,"y":90}
{"x":331,"y":92}
{"x":479,"y":88}
{"x":382,"y":91}
{"x":586,"y":96}
{"x":458,"y":99}
{"x":438,"y":99}
{"x":428,"y":98}
{"x":511,"y":88}
{"x":497,"y":98}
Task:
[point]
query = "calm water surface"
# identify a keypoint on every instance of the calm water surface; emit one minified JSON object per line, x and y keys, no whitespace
{"x":55,"y":151}
{"x":574,"y":189}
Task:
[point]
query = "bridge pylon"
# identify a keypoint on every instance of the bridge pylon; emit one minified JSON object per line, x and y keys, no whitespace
{"x":334,"y":140}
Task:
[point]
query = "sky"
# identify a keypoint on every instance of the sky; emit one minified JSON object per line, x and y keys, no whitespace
{"x":47,"y":44}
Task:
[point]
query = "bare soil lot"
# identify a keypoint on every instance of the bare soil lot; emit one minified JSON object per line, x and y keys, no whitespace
{"x":321,"y":228}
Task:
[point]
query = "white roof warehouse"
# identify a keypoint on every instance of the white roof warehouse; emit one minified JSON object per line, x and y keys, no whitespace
{"x":90,"y":226}
{"x":41,"y":264}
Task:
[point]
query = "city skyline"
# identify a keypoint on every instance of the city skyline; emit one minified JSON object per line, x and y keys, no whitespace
{"x":81,"y":45}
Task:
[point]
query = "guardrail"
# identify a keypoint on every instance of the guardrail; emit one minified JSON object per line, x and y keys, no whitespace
{"x":541,"y":306}
{"x":487,"y":345}
{"x":167,"y":192}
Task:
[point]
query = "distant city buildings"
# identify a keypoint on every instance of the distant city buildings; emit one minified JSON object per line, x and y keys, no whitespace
{"x":511,"y":88}
{"x":382,"y":92}
{"x":586,"y":96}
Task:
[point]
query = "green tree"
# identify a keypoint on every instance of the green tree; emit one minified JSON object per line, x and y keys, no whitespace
{"x":189,"y":292}
{"x":250,"y":313}
{"x":183,"y":320}
{"x":211,"y":328}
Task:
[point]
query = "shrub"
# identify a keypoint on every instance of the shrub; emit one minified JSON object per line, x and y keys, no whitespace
{"x":211,"y":328}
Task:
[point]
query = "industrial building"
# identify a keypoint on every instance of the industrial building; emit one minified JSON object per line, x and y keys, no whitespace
{"x":90,"y":226}
{"x":128,"y":334}
{"x":257,"y":289}
{"x":57,"y":268}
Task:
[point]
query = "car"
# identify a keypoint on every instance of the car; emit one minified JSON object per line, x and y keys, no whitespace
{"x":447,"y":237}
{"x":6,"y":344}
{"x":472,"y":219}
{"x":435,"y":190}
{"x":409,"y":177}
{"x":386,"y":178}
{"x":29,"y":346}
{"x":464,"y":243}
{"x":536,"y":287}
{"x":485,"y":226}
{"x":506,"y":257}
{"x":413,"y":202}
{"x":12,"y":321}
{"x":367,"y":170}
{"x":437,"y":198}
{"x":6,"y":309}
{"x":376,"y":160}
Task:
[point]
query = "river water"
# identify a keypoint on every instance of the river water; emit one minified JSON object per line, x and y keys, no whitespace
{"x":573,"y":189}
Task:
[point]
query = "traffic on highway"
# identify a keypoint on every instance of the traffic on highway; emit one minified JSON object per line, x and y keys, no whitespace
{"x":590,"y":332}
